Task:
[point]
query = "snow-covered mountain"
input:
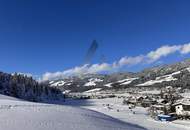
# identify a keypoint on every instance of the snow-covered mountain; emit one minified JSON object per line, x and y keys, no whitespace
{"x":176,"y":75}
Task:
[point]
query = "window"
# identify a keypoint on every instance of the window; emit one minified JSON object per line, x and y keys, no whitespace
{"x":186,"y":107}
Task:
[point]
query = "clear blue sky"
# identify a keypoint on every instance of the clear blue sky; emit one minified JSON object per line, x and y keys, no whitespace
{"x":37,"y":36}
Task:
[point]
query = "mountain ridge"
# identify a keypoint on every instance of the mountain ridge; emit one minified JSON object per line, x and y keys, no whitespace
{"x":176,"y":75}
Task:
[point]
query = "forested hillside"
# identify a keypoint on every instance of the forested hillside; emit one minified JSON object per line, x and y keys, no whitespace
{"x":27,"y":88}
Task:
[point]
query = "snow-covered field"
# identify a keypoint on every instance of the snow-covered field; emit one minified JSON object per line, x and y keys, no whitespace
{"x":92,"y":114}
{"x":22,"y":115}
{"x":122,"y":112}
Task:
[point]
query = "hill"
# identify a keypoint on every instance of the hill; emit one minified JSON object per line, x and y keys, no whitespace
{"x":176,"y":75}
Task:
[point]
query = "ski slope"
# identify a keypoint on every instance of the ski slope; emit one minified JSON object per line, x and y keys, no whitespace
{"x":161,"y":79}
{"x":23,"y":115}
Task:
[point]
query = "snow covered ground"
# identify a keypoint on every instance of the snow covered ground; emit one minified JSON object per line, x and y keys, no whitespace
{"x":126,"y":81}
{"x":150,"y":92}
{"x":22,"y":115}
{"x":59,"y":83}
{"x":93,"y":81}
{"x":121,"y":82}
{"x":161,"y":79}
{"x":109,"y":85}
{"x":93,"y":90}
{"x":186,"y":94}
{"x":122,"y":112}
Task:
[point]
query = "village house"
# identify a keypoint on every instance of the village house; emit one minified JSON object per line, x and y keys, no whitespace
{"x":144,"y":101}
{"x":182,"y":108}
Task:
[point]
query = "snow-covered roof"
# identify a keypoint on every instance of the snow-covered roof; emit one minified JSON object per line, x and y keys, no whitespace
{"x":184,"y":101}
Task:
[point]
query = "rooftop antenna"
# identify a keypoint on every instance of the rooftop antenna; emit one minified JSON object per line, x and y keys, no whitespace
{"x":91,"y":51}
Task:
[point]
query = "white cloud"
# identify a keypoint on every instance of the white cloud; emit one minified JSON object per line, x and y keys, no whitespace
{"x":148,"y":58}
{"x":130,"y":60}
{"x":99,"y":68}
{"x":162,"y":52}
{"x":185,"y":49}
{"x":85,"y":69}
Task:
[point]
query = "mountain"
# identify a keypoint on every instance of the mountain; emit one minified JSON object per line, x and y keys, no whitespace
{"x":176,"y":75}
{"x":23,"y":87}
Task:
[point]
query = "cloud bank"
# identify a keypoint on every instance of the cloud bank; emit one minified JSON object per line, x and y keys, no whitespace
{"x":150,"y":57}
{"x":162,"y":52}
{"x":85,"y":69}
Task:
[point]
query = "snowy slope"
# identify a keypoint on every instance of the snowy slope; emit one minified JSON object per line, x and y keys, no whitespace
{"x":127,"y":81}
{"x":93,"y":90}
{"x":22,"y":115}
{"x":161,"y":79}
{"x":121,"y":82}
{"x":59,"y":83}
{"x":109,"y":85}
{"x":175,"y":75}
{"x":117,"y":110}
{"x":93,"y":81}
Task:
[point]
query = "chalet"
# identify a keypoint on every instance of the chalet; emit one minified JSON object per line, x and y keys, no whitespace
{"x":148,"y":102}
{"x":182,"y":108}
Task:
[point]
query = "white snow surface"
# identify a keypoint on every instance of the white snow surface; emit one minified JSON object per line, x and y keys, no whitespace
{"x":93,"y":81}
{"x":122,"y":112}
{"x":59,"y":83}
{"x":109,"y":85}
{"x":90,"y":83}
{"x":186,"y":95}
{"x":51,"y":82}
{"x":93,"y":90}
{"x":160,"y":79}
{"x":188,"y":69}
{"x":122,"y":82}
{"x":150,"y":92}
{"x":23,"y":115}
{"x":127,"y":81}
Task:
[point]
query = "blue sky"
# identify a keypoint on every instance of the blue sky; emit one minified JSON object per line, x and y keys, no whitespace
{"x":38,"y":36}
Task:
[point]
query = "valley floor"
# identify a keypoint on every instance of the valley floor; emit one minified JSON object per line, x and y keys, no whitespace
{"x":22,"y":115}
{"x":138,"y":116}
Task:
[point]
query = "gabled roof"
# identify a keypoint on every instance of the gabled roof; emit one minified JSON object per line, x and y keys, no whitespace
{"x":184,"y":101}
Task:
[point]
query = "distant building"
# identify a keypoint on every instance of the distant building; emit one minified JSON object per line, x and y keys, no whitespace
{"x":170,"y":94}
{"x":182,"y":107}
